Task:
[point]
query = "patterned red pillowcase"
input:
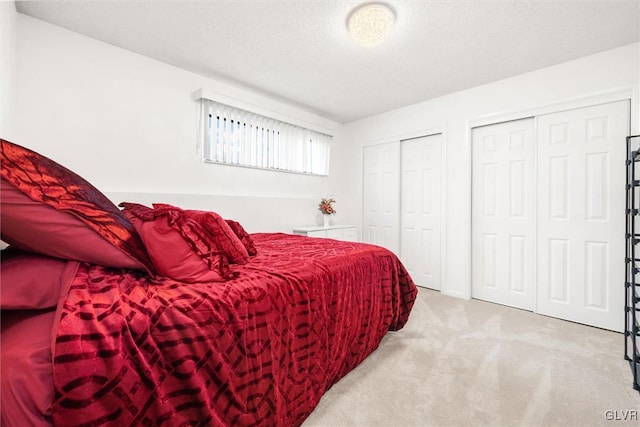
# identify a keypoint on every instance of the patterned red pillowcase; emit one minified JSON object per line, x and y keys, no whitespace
{"x":218,"y":231}
{"x":244,"y":237}
{"x":222,"y":234}
{"x":178,"y":246}
{"x":46,"y":208}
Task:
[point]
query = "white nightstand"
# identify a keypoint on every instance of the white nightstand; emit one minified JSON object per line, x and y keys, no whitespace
{"x":338,"y":232}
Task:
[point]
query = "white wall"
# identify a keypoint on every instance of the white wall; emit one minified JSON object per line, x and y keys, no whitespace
{"x":608,"y":71}
{"x":128,"y":124}
{"x":8,"y":16}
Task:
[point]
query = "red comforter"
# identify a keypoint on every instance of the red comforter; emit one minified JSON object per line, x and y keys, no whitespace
{"x":260,"y":349}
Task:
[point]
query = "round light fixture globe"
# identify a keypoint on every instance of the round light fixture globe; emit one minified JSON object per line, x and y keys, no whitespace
{"x":370,"y":24}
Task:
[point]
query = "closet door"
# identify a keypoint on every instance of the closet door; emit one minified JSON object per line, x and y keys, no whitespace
{"x":381,"y":218}
{"x":581,"y":155}
{"x":420,"y":213}
{"x":503,"y":213}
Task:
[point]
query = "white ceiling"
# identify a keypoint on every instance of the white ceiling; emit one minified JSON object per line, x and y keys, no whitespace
{"x":300,"y":51}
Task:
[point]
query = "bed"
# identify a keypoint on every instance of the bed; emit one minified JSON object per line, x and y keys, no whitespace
{"x":263,"y":330}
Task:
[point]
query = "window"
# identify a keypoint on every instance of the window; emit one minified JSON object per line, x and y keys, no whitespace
{"x":237,"y":137}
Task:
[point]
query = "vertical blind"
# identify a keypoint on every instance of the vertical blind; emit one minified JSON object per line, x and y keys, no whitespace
{"x":238,"y":137}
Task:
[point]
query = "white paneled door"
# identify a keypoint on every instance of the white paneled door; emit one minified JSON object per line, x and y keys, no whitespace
{"x":581,"y":178}
{"x":420,"y":211}
{"x":548,"y":214}
{"x":381,"y":219}
{"x":503,"y":213}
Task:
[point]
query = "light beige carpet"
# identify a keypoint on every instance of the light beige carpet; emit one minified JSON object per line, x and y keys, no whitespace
{"x":465,"y":363}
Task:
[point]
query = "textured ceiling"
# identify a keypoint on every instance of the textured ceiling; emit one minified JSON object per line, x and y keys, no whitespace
{"x":300,"y":51}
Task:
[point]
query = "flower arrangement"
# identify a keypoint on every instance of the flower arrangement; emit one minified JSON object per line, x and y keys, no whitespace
{"x":326,"y":206}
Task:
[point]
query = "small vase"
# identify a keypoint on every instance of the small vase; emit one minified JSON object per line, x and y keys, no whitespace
{"x":325,"y":220}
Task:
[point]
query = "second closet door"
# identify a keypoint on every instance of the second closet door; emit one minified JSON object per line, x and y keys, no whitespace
{"x":420,"y":213}
{"x":504,"y":213}
{"x":581,"y":178}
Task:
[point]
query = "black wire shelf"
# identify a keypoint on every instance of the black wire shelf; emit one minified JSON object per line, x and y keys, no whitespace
{"x":632,"y":261}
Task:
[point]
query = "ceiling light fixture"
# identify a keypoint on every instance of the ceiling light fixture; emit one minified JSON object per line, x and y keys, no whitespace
{"x":370,"y":24}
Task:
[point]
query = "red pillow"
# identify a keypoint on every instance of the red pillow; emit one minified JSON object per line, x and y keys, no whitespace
{"x":222,"y":234}
{"x":37,"y":227}
{"x":243,"y":236}
{"x":178,"y":246}
{"x":46,"y":208}
{"x":26,"y":368}
{"x":32,"y":281}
